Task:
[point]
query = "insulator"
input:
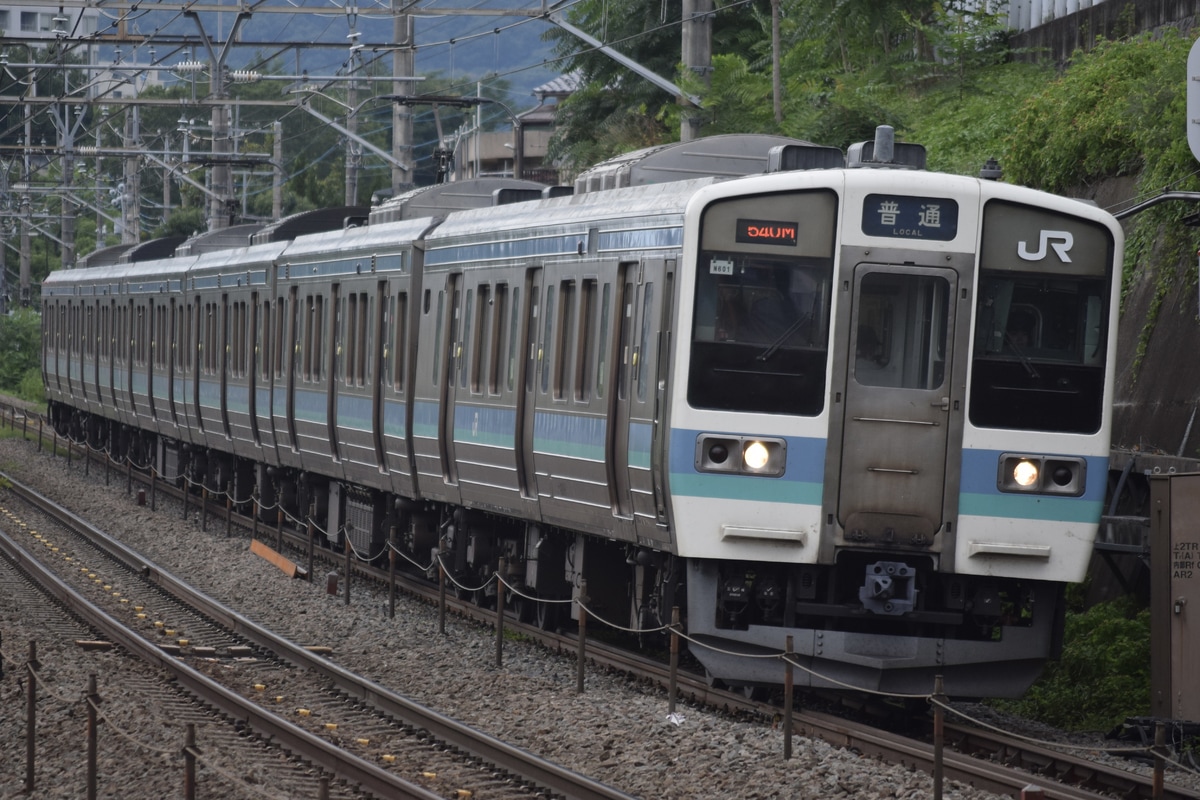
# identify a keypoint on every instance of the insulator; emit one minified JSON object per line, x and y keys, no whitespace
{"x":245,"y":76}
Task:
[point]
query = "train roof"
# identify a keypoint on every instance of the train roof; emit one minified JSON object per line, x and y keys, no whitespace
{"x":442,"y":198}
{"x":104,"y":256}
{"x":724,"y":156}
{"x":221,"y":239}
{"x":380,"y":237}
{"x":152,"y":250}
{"x":335,"y":218}
{"x":645,"y":218}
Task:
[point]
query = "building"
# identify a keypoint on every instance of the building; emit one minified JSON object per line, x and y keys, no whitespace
{"x":483,"y":154}
{"x":37,"y":21}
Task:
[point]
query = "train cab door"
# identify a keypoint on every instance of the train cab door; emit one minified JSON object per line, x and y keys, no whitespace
{"x":897,"y":405}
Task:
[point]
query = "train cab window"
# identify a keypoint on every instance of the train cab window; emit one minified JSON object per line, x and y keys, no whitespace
{"x":1039,"y":353}
{"x":1040,"y":342}
{"x":760,"y":333}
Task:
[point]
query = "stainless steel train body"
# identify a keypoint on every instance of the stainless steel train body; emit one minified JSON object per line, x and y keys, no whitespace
{"x":864,"y":408}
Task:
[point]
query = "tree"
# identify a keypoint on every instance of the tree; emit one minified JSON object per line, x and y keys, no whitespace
{"x":20,"y":348}
{"x":846,"y":64}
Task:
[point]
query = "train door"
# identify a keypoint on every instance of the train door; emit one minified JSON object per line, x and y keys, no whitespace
{"x":455,"y":365}
{"x":645,"y":290}
{"x":379,"y":335}
{"x":534,"y":351}
{"x":172,"y":362}
{"x":153,"y":313}
{"x":897,"y":404}
{"x":256,"y":353}
{"x":89,"y":348}
{"x":333,"y":357}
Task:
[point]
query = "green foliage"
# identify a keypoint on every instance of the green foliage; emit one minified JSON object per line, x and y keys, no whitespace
{"x":20,"y":350}
{"x":1103,"y":115}
{"x":182,"y":222}
{"x":1103,"y":675}
{"x":962,"y":130}
{"x":1119,"y":109}
{"x":31,"y":387}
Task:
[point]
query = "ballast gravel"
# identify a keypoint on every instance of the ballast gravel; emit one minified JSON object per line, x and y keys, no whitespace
{"x":614,"y":732}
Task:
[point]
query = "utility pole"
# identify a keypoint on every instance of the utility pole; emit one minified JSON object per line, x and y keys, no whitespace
{"x":277,"y":184}
{"x":776,"y":80}
{"x":403,"y":59}
{"x":697,"y":57}
{"x":4,"y":229}
{"x":221,"y":172}
{"x":26,"y":200}
{"x":67,"y":130}
{"x":131,"y":217}
{"x":166,"y":179}
{"x":353,"y":154}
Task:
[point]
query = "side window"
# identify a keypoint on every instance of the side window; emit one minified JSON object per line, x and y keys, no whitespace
{"x":562,"y":347}
{"x":262,"y":345}
{"x":464,"y":358}
{"x":481,"y":338}
{"x":514,"y":330}
{"x":587,"y":345}
{"x":400,"y":321}
{"x":602,"y":354}
{"x":437,"y":336}
{"x":496,"y":339}
{"x":644,"y":340}
{"x":547,"y":338}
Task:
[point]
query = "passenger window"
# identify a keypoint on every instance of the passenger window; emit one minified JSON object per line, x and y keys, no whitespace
{"x":644,"y":341}
{"x":602,"y":355}
{"x":547,"y":338}
{"x":496,"y":339}
{"x":437,"y":334}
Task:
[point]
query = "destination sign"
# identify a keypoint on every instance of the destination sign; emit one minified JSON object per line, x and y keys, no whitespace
{"x":907,"y":217}
{"x":760,"y":231}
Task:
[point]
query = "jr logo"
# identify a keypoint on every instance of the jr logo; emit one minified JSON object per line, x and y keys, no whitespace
{"x":1061,"y":241}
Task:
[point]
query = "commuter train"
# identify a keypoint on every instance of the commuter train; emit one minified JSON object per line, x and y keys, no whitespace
{"x":792,"y":391}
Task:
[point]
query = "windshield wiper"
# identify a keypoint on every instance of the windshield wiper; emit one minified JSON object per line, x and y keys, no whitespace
{"x":783,"y":337}
{"x":1025,"y":361}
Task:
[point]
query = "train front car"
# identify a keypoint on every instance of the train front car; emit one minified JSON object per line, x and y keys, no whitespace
{"x":890,"y":426}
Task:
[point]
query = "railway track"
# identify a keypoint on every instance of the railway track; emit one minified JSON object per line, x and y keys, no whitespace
{"x":342,"y":723}
{"x":1005,"y":764}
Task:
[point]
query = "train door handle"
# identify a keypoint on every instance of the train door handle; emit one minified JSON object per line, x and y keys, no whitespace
{"x":943,"y":404}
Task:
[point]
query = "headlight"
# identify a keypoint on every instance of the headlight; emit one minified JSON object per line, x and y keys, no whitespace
{"x":741,"y":455}
{"x":1025,"y":473}
{"x":1038,"y":474}
{"x":755,"y":455}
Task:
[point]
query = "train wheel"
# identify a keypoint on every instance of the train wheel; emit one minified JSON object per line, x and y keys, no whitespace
{"x":521,"y":608}
{"x":548,"y":616}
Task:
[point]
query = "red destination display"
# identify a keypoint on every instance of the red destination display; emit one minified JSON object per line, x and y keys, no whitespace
{"x":760,"y":231}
